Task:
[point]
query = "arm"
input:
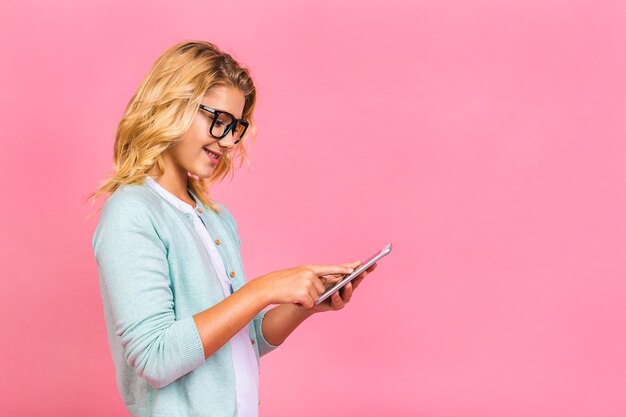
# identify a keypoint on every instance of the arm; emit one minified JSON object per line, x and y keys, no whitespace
{"x":135,"y":284}
{"x":134,"y":277}
{"x":273,"y":326}
{"x":281,"y":321}
{"x":218,"y":324}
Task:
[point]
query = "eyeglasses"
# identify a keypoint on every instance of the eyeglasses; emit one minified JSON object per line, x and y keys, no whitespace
{"x":223,"y":122}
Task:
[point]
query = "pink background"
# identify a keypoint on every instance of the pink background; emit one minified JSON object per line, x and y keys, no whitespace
{"x":484,"y":139}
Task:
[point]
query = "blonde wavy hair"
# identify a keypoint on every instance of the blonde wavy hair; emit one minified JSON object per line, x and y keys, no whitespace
{"x":163,"y":109}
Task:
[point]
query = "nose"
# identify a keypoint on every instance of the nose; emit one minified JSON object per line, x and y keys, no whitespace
{"x":227,"y":141}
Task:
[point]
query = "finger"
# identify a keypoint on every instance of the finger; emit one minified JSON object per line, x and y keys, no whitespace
{"x":333,"y":277}
{"x":347,"y":292}
{"x":314,"y":296}
{"x":355,"y":282}
{"x":330,"y":284}
{"x":337,"y":278}
{"x":330,"y":269}
{"x":319,"y":285}
{"x":372,"y":267}
{"x":367,"y":271}
{"x":337,"y":301}
{"x":351,"y":264}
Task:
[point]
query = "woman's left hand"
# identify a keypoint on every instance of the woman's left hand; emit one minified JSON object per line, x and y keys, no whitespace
{"x":340,"y":298}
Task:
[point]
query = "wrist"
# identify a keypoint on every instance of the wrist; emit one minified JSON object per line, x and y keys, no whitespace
{"x":301,"y":312}
{"x":257,"y":286}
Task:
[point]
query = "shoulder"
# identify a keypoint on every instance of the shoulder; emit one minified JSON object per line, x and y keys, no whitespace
{"x":129,"y":200}
{"x":130,"y":207}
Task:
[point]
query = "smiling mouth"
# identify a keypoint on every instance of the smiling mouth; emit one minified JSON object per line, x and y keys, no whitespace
{"x":211,"y":154}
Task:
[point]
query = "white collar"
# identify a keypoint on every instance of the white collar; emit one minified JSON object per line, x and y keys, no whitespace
{"x":177,"y":202}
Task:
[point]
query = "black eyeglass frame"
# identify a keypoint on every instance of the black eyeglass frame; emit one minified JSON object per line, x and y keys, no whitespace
{"x":216,"y":113}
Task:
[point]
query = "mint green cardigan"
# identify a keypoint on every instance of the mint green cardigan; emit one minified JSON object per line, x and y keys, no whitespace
{"x":154,"y":275}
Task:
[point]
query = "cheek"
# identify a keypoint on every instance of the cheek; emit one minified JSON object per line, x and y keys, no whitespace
{"x":187,"y":149}
{"x":199,"y":129}
{"x":199,"y":136}
{"x":192,"y":142}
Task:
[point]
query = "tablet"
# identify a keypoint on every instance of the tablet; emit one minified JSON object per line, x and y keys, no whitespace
{"x":372,"y":260}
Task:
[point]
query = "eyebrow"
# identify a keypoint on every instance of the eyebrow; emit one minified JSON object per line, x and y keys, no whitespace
{"x":224,"y":111}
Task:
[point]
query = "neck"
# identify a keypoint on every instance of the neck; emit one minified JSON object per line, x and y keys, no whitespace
{"x":175,"y":181}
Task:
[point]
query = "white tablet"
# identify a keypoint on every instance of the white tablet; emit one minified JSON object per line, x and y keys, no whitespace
{"x":372,"y":260}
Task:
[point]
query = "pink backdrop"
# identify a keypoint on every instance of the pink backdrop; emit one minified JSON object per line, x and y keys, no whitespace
{"x":484,"y":139}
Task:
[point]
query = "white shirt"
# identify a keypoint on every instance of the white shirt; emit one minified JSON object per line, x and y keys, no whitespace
{"x":244,"y":359}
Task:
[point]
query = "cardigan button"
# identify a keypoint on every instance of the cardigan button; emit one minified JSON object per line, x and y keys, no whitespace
{"x":217,"y":241}
{"x":199,"y":210}
{"x":252,"y":340}
{"x":232,"y":274}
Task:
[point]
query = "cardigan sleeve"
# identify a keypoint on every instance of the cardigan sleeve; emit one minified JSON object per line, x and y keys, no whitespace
{"x":263,"y":345}
{"x":134,"y":275}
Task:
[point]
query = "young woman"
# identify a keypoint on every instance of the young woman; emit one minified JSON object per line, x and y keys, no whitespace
{"x":185,"y":328}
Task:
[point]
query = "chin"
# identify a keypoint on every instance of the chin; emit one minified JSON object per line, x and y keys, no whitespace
{"x":201,"y":175}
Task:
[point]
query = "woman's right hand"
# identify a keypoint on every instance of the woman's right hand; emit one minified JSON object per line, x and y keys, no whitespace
{"x":300,"y":285}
